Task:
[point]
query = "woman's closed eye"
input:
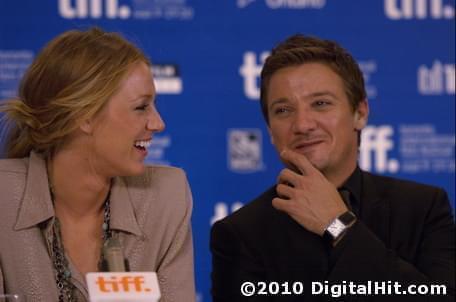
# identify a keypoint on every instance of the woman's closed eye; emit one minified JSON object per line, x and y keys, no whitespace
{"x":142,"y":107}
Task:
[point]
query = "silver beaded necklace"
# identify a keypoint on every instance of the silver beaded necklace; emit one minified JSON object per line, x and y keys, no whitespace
{"x":61,"y":267}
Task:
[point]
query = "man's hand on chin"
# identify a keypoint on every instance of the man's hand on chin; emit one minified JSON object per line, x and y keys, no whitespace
{"x":308,"y":197}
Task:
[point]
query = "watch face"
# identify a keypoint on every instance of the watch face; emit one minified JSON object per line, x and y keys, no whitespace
{"x":336,"y":228}
{"x":347,"y":218}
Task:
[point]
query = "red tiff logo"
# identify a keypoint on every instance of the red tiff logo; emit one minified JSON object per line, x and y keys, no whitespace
{"x":125,"y":284}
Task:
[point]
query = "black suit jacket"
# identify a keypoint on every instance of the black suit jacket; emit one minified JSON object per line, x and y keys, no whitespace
{"x":405,"y":233}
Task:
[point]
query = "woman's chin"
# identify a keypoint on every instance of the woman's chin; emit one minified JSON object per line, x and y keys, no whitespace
{"x":135,"y":170}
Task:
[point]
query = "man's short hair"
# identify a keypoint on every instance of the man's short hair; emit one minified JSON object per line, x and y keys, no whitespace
{"x":299,"y":49}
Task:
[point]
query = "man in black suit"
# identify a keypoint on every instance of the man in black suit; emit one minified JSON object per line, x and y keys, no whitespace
{"x":327,"y":230}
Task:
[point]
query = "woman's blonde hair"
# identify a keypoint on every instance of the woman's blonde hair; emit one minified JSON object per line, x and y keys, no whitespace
{"x":69,"y":81}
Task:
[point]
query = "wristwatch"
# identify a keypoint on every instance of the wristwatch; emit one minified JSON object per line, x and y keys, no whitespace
{"x":338,"y":227}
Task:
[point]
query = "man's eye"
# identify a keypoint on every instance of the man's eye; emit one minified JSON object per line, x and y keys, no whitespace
{"x":280,"y":110}
{"x":321,"y":103}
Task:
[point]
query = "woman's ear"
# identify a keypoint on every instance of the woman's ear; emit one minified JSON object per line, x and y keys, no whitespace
{"x":86,"y":126}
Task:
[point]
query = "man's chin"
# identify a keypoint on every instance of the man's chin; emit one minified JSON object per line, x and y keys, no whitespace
{"x":313,"y":157}
{"x":314,"y":162}
{"x":317,"y":163}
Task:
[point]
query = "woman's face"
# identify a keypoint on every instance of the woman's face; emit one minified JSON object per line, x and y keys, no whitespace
{"x":123,"y":130}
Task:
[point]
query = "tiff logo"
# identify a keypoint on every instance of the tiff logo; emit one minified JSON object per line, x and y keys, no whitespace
{"x":437,"y":79}
{"x":123,"y":284}
{"x":221,"y":210}
{"x":418,"y":9}
{"x":375,"y":144}
{"x":69,"y":9}
{"x":250,"y":71}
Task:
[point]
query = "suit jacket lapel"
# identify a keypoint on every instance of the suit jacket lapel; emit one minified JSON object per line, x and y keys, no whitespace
{"x":375,"y":209}
{"x":305,"y":253}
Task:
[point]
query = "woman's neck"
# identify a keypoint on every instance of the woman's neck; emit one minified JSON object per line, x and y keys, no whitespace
{"x":79,"y":190}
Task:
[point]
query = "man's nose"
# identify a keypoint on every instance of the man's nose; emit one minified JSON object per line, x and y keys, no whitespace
{"x":304,"y":121}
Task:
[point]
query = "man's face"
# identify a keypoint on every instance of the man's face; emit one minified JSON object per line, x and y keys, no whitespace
{"x":309,"y":112}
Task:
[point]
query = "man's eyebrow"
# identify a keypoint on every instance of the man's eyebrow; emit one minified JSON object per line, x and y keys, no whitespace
{"x":278,"y":101}
{"x":312,"y":95}
{"x":323,"y":93}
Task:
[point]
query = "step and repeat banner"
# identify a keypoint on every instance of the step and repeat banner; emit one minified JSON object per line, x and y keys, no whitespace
{"x":207,"y":57}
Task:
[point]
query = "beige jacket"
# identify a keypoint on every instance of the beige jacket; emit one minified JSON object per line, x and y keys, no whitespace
{"x":151,"y":214}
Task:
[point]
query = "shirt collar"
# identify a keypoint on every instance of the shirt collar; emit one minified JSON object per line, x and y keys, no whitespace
{"x":353,"y":185}
{"x":37,"y":205}
{"x":123,"y":217}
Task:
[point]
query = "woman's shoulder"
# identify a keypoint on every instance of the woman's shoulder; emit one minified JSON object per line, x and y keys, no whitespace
{"x":12,"y":171}
{"x":13,"y":174}
{"x":158,"y":176}
{"x":14,"y":165}
{"x":164,"y":171}
{"x":160,"y":181}
{"x":163,"y":187}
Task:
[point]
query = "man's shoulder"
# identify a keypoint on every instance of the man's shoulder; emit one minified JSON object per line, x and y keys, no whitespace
{"x":394,"y":185}
{"x":254,"y":212}
{"x":402,"y":192}
{"x":252,"y":225}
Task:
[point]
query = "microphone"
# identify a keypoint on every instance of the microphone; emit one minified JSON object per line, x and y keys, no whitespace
{"x":118,"y":285}
{"x":113,"y":259}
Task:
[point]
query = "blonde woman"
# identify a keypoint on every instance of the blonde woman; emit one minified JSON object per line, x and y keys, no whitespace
{"x":75,"y":174}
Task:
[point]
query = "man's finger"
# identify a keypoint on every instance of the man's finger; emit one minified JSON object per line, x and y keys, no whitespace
{"x":284,"y":191}
{"x":297,"y":160}
{"x":288,"y":177}
{"x":281,"y":204}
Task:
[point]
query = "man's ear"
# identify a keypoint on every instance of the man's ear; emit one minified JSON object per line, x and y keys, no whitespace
{"x":361,"y":115}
